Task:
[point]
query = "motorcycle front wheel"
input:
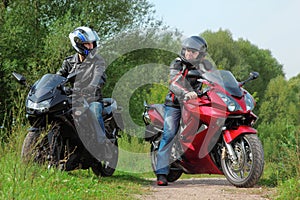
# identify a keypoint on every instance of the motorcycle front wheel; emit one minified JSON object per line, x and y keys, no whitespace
{"x":246,"y":171}
{"x":174,"y":173}
{"x":35,"y":148}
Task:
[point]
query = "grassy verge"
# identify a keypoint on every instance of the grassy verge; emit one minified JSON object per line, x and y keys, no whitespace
{"x":34,"y":182}
{"x":31,"y":181}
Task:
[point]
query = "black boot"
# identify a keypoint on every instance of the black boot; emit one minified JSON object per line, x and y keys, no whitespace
{"x":162,"y":180}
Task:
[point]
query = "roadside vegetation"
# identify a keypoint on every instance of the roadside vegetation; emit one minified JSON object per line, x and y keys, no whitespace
{"x":124,"y":26}
{"x":31,"y":181}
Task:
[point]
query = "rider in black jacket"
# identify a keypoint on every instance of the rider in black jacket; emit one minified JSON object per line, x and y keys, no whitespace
{"x":92,"y":78}
{"x":192,"y":57}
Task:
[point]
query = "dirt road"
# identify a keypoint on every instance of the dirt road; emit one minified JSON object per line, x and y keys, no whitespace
{"x":204,"y":189}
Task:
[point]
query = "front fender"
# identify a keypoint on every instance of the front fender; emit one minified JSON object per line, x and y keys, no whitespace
{"x":230,"y":135}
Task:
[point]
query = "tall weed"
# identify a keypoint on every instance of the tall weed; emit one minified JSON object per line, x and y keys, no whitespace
{"x":281,"y":144}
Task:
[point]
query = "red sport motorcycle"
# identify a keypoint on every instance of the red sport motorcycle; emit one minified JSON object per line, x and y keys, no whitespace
{"x":216,"y":134}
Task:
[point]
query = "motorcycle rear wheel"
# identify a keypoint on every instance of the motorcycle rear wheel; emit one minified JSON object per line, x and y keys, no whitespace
{"x":174,"y":173}
{"x":250,"y":161}
{"x":108,"y":166}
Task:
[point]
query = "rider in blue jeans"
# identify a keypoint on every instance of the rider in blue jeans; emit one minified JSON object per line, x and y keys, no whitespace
{"x":85,"y":40}
{"x":193,"y":51}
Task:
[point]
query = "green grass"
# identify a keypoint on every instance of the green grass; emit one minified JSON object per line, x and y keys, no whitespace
{"x":285,"y":189}
{"x":32,"y":181}
{"x":21,"y":181}
{"x":134,"y":156}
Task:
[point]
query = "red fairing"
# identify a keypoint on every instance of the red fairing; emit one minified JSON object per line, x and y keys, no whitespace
{"x":230,"y":135}
{"x":215,"y":135}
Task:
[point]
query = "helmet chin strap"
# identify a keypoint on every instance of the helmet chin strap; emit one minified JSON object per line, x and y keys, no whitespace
{"x":83,"y":55}
{"x":86,"y":52}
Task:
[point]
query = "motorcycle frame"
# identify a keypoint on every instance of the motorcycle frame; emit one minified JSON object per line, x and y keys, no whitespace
{"x":203,"y":125}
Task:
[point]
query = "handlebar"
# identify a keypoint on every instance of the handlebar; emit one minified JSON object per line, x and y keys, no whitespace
{"x":199,"y":94}
{"x":76,"y":93}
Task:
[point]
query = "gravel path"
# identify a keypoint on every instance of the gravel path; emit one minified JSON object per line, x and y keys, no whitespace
{"x":204,"y":189}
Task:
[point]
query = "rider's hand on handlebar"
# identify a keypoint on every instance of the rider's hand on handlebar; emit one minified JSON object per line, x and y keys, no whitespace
{"x":68,"y":90}
{"x":190,"y":95}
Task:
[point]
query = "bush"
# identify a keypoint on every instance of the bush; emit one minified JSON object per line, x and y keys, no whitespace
{"x":289,"y":189}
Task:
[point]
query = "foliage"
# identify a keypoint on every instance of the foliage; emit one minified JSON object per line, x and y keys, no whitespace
{"x":222,"y":49}
{"x":134,"y":67}
{"x":241,"y":57}
{"x":138,"y":50}
{"x":279,"y":131}
{"x":289,"y":189}
{"x":29,"y":181}
{"x":34,"y":34}
{"x":282,"y":98}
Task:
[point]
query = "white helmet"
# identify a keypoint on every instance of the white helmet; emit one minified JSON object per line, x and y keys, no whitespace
{"x":83,"y":35}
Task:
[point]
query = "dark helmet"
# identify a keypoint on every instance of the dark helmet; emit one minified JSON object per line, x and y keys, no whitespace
{"x":195,"y":43}
{"x":83,"y":35}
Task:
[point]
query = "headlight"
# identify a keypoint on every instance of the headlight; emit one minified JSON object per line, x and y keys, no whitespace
{"x":249,"y":102}
{"x":42,"y":106}
{"x":232,"y":105}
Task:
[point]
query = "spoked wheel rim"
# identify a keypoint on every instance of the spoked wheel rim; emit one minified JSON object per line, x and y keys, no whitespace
{"x":248,"y":168}
{"x":242,"y":168}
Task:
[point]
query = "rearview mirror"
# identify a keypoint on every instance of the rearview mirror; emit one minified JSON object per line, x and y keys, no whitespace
{"x":21,"y":79}
{"x":254,"y":75}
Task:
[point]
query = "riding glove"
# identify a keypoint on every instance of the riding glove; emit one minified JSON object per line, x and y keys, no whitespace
{"x":191,"y":95}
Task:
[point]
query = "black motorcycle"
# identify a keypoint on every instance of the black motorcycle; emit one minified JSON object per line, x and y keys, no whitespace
{"x":64,"y":133}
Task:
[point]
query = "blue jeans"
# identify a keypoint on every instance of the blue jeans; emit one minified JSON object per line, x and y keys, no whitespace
{"x":171,"y":125}
{"x":96,"y":108}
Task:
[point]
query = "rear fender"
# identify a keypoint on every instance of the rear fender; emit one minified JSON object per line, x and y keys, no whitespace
{"x":230,"y":135}
{"x":155,"y":117}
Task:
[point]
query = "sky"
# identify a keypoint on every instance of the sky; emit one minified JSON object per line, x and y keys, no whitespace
{"x":268,"y":24}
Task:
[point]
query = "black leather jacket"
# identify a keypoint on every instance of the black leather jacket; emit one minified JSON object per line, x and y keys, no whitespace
{"x":179,"y":83}
{"x":93,"y":72}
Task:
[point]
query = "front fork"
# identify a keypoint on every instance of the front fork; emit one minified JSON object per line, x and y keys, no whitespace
{"x":55,"y":145}
{"x":229,"y":136}
{"x":230,"y":152}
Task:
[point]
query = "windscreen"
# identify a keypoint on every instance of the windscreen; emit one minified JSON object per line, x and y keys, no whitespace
{"x":45,"y":85}
{"x":225,"y":79}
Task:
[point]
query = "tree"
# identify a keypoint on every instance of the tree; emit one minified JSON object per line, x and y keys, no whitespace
{"x":136,"y":62}
{"x":241,"y":57}
{"x":221,"y":48}
{"x":35,"y":33}
{"x":280,"y":125}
